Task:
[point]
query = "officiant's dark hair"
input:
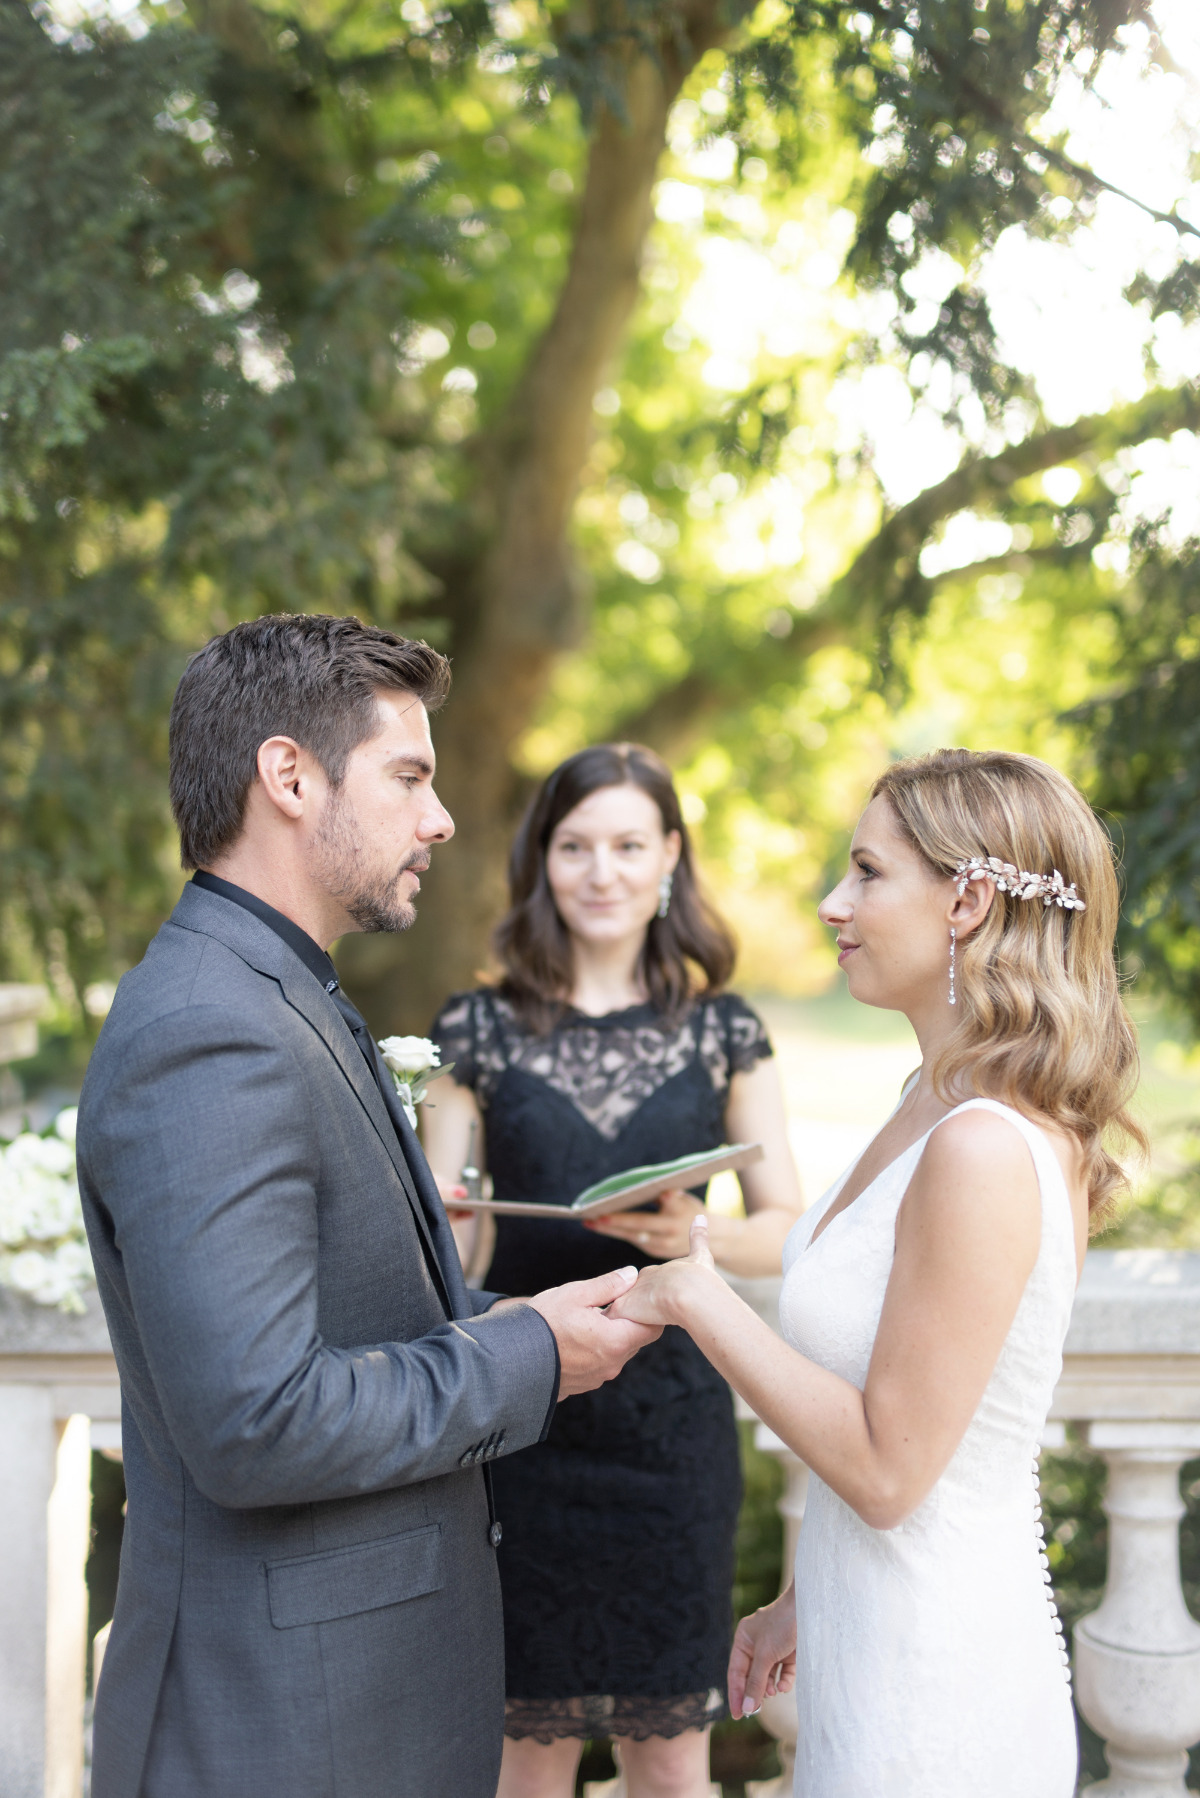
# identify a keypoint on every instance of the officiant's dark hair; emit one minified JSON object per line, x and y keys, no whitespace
{"x":292,"y":674}
{"x":532,"y":942}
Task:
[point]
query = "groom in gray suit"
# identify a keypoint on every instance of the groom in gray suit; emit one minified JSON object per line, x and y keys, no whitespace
{"x":308,"y":1602}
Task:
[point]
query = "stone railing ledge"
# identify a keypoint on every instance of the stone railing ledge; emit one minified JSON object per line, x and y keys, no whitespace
{"x":1137,"y":1302}
{"x":29,"y":1329}
{"x":20,"y":1009}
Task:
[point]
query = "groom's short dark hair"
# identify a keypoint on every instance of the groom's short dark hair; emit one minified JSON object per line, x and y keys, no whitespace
{"x":297,"y":675}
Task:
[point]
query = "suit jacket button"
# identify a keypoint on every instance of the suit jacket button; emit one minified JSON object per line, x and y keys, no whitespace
{"x":495,"y":1534}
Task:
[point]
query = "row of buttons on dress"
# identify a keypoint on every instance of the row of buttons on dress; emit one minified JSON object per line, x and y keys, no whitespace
{"x":1039,"y":1531}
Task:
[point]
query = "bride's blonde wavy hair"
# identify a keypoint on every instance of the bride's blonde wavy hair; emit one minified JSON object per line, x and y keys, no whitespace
{"x":1041,"y":1023}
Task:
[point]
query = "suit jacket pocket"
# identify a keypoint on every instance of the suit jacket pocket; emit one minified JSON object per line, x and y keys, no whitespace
{"x":340,"y":1582}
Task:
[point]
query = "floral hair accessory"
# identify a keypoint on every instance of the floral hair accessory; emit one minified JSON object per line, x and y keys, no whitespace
{"x":1051,"y":889}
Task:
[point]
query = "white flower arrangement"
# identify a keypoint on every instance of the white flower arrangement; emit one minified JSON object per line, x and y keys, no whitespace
{"x":43,"y":1247}
{"x":413,"y":1062}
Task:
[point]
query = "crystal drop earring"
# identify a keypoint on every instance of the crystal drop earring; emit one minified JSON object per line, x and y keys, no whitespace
{"x":953,"y":935}
{"x":664,"y":894}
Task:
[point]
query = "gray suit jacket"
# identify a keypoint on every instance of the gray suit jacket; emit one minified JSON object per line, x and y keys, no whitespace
{"x":308,"y":1600}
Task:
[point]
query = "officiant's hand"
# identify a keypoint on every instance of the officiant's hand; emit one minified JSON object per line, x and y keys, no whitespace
{"x":665,"y":1233}
{"x":593,"y":1345}
{"x":666,"y":1294}
{"x":448,"y":1191}
{"x":762,"y":1661}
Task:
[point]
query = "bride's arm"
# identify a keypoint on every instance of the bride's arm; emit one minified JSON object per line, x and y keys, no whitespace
{"x":967,"y":1238}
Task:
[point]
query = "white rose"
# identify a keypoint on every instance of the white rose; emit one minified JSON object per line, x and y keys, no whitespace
{"x":410,"y":1055}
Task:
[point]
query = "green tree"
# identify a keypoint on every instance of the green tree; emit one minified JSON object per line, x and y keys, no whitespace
{"x":1145,"y":734}
{"x":243,"y":242}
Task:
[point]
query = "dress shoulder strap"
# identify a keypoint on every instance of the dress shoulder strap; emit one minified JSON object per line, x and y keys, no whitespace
{"x":1046,"y":1165}
{"x":1035,"y":1136}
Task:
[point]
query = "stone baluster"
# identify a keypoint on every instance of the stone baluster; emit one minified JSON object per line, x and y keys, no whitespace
{"x":56,"y":1373}
{"x":1137,"y":1658}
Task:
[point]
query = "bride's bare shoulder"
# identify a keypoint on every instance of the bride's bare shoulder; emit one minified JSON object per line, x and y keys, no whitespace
{"x":983,"y":1143}
{"x":976,"y":1169}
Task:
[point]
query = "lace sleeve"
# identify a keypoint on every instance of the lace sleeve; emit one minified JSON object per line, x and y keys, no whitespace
{"x":456,"y":1035}
{"x":467,"y":1032}
{"x":733,"y":1039}
{"x":745,"y":1034}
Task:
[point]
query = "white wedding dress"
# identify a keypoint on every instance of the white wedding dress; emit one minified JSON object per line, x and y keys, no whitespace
{"x":930,"y":1661}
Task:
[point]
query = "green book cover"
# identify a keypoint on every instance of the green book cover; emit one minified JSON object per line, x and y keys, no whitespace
{"x":634,"y":1176}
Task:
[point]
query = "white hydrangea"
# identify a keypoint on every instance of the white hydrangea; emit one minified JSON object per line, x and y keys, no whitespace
{"x":43,"y":1248}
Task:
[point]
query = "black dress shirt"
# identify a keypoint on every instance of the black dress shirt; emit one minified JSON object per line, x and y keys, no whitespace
{"x":310,"y":953}
{"x":297,"y":940}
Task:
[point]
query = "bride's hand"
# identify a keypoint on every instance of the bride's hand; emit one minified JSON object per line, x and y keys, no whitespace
{"x":762,"y":1661}
{"x":662,"y":1293}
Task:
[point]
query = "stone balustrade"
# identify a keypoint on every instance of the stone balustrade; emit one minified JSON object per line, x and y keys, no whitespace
{"x":1130,"y":1388}
{"x":1131,"y":1384}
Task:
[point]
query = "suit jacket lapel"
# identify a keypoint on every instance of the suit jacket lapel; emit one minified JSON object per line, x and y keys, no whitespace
{"x":442,"y":1237}
{"x":257,"y":944}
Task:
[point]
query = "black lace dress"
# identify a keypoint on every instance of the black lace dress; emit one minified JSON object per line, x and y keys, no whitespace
{"x":618,"y":1548}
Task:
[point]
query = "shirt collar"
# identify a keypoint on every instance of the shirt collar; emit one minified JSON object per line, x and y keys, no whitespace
{"x":298,"y":941}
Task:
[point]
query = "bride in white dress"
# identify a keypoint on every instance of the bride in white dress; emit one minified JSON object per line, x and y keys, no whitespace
{"x":926,"y":1296}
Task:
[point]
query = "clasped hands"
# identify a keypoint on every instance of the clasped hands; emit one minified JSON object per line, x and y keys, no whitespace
{"x":598,"y":1324}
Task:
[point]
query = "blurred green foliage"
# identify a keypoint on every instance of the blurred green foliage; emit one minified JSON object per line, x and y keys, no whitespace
{"x":276,"y":282}
{"x":1146,"y":747}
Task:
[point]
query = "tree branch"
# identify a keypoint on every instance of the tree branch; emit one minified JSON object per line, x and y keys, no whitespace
{"x":674,"y":720}
{"x":884,"y":577}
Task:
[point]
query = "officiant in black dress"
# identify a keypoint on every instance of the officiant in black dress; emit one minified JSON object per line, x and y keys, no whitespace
{"x":611,"y":1041}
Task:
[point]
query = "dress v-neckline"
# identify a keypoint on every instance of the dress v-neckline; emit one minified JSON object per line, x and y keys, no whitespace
{"x":825,"y":1222}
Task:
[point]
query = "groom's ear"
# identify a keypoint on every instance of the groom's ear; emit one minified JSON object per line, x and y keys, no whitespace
{"x":288,"y":776}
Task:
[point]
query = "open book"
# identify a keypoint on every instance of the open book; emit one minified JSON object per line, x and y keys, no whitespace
{"x":633,"y":1186}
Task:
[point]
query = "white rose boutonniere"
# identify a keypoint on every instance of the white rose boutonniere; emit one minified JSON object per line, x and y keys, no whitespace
{"x":413,"y":1061}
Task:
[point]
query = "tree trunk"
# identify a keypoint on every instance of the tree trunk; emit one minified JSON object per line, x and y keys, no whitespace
{"x":518,"y":606}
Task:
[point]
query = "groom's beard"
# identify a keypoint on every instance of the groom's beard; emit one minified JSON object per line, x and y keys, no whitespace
{"x":341,"y":864}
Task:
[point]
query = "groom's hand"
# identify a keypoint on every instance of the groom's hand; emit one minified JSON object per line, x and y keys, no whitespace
{"x":592,"y":1347}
